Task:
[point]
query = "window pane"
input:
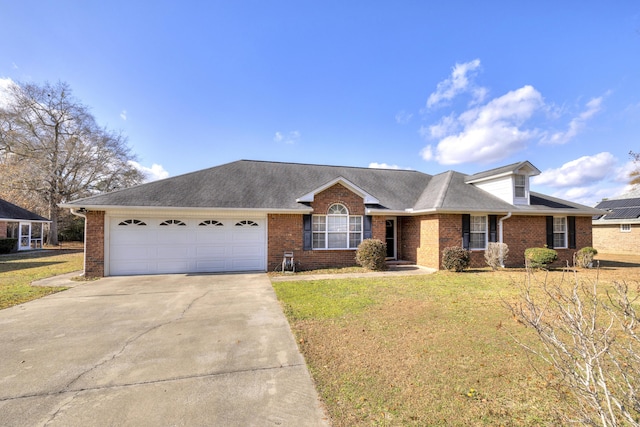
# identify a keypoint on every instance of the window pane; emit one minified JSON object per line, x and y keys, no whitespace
{"x":558,"y":240}
{"x":319,"y":223}
{"x":354,"y":239}
{"x":559,"y":225}
{"x":337,"y":240}
{"x":319,"y":241}
{"x":478,"y":223}
{"x":476,"y":241}
{"x":355,"y":223}
{"x":337,"y":223}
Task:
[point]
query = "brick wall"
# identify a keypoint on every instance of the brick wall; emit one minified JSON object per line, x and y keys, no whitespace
{"x":609,"y":239}
{"x":94,"y":245}
{"x":286,"y":233}
{"x":3,"y":230}
{"x":424,"y":238}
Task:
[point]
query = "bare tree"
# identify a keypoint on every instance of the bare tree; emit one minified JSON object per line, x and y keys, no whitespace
{"x":52,"y":148}
{"x":591,"y":340}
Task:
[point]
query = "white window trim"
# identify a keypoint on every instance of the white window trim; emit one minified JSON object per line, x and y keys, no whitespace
{"x":565,"y":245}
{"x":485,"y":232}
{"x":625,"y":228}
{"x":327,"y":232}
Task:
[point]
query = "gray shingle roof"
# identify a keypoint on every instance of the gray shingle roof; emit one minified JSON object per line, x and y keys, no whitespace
{"x":248,"y":184}
{"x":11,"y":211}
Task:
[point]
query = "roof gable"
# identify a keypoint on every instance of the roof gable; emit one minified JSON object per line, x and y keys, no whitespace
{"x":368,"y":198}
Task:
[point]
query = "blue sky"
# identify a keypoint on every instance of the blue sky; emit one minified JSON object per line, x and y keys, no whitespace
{"x":425,"y":85}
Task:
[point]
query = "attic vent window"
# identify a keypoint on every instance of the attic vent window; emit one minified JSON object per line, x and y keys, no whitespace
{"x":173,"y":222}
{"x":246,"y":224}
{"x":211,"y":223}
{"x":520,"y":186}
{"x":128,"y":222}
{"x":625,"y":228}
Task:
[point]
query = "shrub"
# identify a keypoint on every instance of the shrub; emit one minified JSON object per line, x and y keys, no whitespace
{"x":495,"y":254}
{"x":584,"y":257}
{"x":7,"y":245}
{"x":371,"y":254}
{"x":539,"y":257}
{"x":455,"y":258}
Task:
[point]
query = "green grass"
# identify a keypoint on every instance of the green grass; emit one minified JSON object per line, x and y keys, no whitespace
{"x":18,"y":271}
{"x":420,"y":350}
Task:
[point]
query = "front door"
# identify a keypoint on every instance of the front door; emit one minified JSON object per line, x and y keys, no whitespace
{"x":24,"y":239}
{"x":391,"y":237}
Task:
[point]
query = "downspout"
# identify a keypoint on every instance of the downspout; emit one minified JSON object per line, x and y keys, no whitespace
{"x":81,"y":213}
{"x":501,"y":233}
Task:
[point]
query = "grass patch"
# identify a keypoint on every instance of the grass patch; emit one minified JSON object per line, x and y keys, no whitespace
{"x":18,"y":271}
{"x":424,"y":350}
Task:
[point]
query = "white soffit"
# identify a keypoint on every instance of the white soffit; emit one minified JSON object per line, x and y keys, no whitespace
{"x":368,"y":198}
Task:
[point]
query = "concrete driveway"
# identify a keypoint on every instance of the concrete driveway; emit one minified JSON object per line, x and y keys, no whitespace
{"x":172,"y":350}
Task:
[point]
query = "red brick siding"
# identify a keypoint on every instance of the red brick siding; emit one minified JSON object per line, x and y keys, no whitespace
{"x":94,"y":245}
{"x":286,"y":232}
{"x":609,"y":239}
{"x":424,"y":237}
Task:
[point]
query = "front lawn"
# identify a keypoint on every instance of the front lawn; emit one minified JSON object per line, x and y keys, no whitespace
{"x":424,"y":350}
{"x":18,"y":271}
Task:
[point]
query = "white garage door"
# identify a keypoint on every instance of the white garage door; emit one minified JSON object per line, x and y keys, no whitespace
{"x":143,"y":245}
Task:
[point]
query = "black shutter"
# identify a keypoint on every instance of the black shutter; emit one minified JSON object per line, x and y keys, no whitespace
{"x":550,"y":232}
{"x":571,"y":225}
{"x":493,"y":228}
{"x":466,"y":230}
{"x":368,"y":233}
{"x":307,"y":237}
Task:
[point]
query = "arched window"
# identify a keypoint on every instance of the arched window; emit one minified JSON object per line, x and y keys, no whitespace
{"x":211,"y":223}
{"x":246,"y":224}
{"x":337,"y":229}
{"x":173,"y":222}
{"x":127,"y":222}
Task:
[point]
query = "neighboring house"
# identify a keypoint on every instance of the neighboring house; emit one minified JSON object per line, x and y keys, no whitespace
{"x":244,"y":215}
{"x":21,"y":224}
{"x":618,"y":230}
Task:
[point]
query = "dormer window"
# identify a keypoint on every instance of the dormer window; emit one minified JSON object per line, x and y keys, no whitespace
{"x":520,"y":186}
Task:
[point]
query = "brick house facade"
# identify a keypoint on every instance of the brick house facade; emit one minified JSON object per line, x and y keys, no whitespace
{"x":418,"y":234}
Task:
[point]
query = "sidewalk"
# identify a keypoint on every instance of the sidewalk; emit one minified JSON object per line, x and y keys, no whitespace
{"x":397,"y":270}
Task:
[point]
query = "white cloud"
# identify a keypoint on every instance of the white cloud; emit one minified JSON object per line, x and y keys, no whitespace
{"x":154,"y":173}
{"x":290,"y":138}
{"x":576,"y":124}
{"x":457,"y":83}
{"x":489,"y":133}
{"x":5,"y":84}
{"x":427,"y":153}
{"x":375,"y":165}
{"x":583,"y":171}
{"x":123,"y":115}
{"x":402,"y":117}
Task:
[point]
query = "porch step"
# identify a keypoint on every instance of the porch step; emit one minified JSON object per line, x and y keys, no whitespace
{"x":398,"y":262}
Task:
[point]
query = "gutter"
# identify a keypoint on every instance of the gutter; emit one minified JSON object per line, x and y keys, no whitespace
{"x":81,"y":213}
{"x":501,"y":235}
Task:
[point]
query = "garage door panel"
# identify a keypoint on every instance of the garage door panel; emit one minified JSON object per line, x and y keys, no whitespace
{"x":173,"y":267}
{"x":211,"y":266}
{"x":244,"y":251}
{"x":166,"y":252}
{"x":132,"y":252}
{"x":211,"y":251}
